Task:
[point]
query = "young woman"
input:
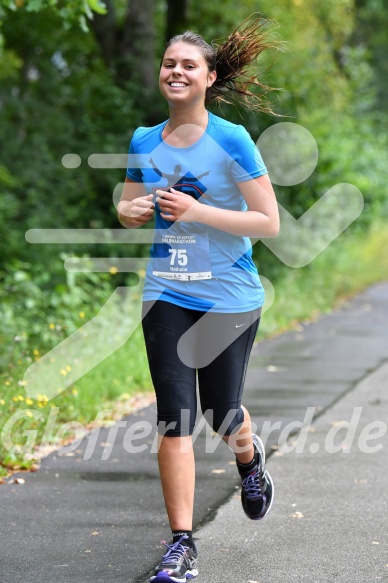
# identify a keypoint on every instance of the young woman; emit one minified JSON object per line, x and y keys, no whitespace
{"x":203,"y":179}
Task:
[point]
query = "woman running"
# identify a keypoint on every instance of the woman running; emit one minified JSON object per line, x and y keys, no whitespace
{"x":204,"y":180}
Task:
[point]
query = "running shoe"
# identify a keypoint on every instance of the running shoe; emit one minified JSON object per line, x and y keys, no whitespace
{"x":257,"y":489}
{"x":178,"y":563}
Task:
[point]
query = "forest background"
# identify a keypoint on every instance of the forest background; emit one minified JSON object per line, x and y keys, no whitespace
{"x":78,"y":77}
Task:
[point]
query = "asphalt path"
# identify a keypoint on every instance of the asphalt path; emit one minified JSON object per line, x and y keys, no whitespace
{"x":329,"y":519}
{"x":96,"y":513}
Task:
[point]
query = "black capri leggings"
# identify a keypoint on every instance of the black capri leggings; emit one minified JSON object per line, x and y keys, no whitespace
{"x":181,"y":343}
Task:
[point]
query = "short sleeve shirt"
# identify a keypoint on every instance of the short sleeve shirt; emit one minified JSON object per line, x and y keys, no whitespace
{"x":209,"y":170}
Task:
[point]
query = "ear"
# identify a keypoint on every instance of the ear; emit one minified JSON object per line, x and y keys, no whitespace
{"x":212,"y":76}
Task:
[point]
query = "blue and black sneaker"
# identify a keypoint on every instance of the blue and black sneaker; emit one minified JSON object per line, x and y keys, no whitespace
{"x":178,"y":563}
{"x":257,"y":491}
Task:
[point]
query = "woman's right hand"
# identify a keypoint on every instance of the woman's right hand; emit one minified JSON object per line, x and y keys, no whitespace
{"x":137,"y":212}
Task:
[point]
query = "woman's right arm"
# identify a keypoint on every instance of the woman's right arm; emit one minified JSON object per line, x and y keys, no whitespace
{"x":135,"y":207}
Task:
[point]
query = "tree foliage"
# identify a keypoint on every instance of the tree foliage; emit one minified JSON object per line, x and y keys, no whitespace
{"x":70,"y":11}
{"x":79,"y":76}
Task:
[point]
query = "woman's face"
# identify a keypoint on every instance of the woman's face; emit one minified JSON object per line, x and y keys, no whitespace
{"x":184,"y":75}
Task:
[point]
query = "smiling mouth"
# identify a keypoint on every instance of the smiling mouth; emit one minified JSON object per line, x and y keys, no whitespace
{"x":176,"y":84}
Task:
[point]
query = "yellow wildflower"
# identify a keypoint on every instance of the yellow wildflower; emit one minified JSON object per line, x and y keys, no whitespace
{"x":63,"y":371}
{"x":51,"y":326}
{"x":41,"y":398}
{"x":113,"y":270}
{"x":82,"y":314}
{"x":36,"y":351}
{"x":68,"y":367}
{"x":29,"y":402}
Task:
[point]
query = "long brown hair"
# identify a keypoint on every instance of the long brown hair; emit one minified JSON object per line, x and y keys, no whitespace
{"x":234,"y":61}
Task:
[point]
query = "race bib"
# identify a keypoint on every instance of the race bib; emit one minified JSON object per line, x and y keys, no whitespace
{"x":183,"y":257}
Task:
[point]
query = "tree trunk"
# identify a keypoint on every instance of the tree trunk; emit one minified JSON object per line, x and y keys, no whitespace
{"x":104,"y":29}
{"x":128,"y":49}
{"x":177,"y":17}
{"x":137,"y":49}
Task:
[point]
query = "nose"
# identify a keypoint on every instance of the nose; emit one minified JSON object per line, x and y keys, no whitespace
{"x":177,"y":69}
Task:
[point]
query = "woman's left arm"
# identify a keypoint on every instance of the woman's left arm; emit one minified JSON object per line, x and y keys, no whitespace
{"x":260,"y":220}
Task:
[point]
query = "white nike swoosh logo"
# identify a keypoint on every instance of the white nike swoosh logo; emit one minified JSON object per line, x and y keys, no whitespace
{"x":239,"y":325}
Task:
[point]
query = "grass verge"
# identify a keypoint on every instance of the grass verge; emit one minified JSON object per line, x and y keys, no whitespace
{"x":350,"y":264}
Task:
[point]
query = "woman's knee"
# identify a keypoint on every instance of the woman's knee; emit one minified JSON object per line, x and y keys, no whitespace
{"x":176,"y":403}
{"x":224,"y":420}
{"x":178,"y":423}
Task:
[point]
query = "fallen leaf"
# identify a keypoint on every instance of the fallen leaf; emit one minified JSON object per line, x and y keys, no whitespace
{"x":375,"y":542}
{"x":297,"y":515}
{"x":218,"y":471}
{"x":19,"y":481}
{"x":95,"y":532}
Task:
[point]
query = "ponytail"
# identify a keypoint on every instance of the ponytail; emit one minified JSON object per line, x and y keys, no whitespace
{"x":235,"y":65}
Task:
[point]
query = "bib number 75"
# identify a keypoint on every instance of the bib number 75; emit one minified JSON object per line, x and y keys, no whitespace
{"x":179,"y":256}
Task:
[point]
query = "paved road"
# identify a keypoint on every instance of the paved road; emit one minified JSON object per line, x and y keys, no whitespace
{"x":81,"y":520}
{"x":329,"y":521}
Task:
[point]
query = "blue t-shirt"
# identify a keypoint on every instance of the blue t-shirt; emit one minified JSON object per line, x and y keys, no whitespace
{"x":208,"y":170}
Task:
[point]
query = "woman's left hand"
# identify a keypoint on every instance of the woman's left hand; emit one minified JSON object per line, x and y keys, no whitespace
{"x":177,"y":206}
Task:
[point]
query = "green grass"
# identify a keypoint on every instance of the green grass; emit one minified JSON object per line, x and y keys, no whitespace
{"x":350,"y":264}
{"x":114,"y":386}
